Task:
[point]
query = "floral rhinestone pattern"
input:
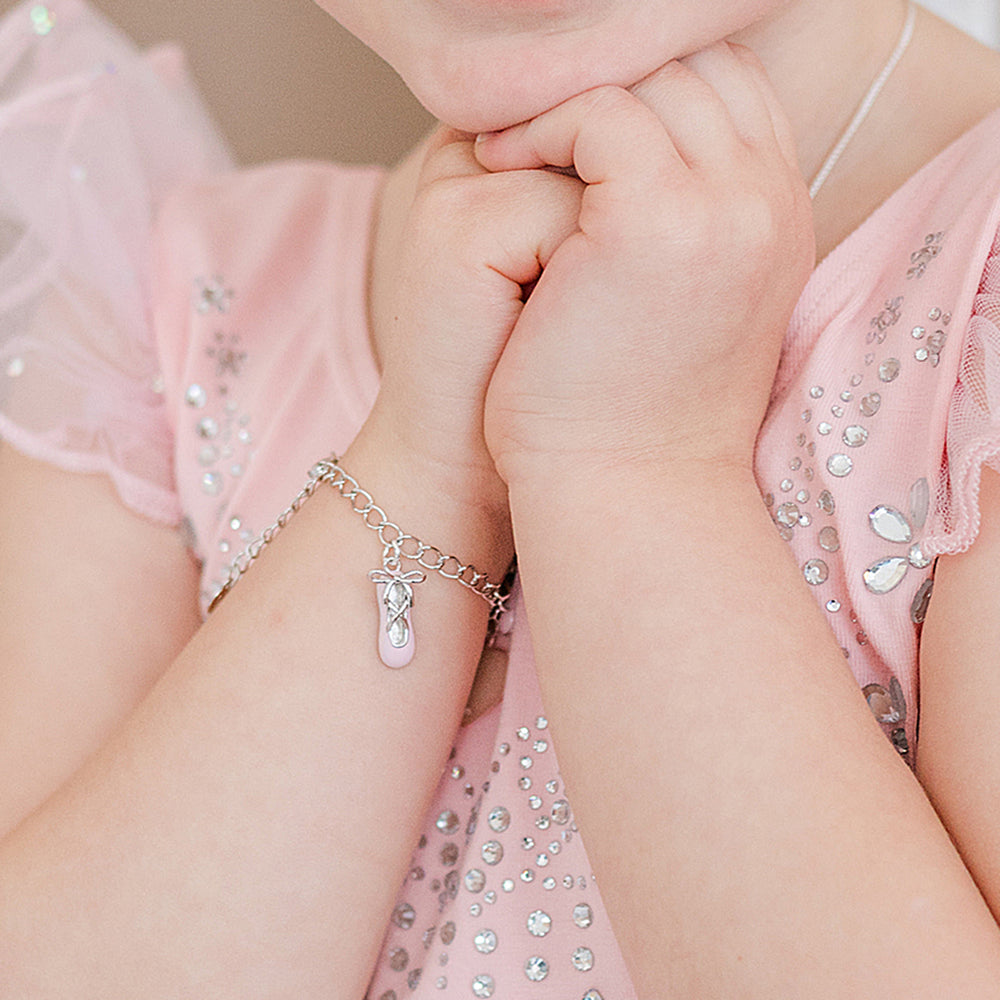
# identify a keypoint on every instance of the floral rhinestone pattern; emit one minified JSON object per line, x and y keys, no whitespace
{"x":222,"y":437}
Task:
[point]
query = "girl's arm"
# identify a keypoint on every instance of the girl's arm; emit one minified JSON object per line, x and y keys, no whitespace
{"x":244,"y":831}
{"x":97,"y":601}
{"x":959,"y":759}
{"x":752,"y":832}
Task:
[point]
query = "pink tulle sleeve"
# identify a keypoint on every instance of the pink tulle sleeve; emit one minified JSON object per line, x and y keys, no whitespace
{"x":93,"y":135}
{"x":973,"y":431}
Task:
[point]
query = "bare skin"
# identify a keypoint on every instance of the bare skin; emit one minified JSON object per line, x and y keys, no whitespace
{"x":137,"y":865}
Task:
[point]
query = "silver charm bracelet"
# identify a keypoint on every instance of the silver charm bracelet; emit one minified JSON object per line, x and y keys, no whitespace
{"x":394,"y":587}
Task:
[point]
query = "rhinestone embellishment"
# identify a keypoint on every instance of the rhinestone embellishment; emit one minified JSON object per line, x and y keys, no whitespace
{"x":886,"y":574}
{"x":889,"y":523}
{"x":483,"y":986}
{"x":536,"y":968}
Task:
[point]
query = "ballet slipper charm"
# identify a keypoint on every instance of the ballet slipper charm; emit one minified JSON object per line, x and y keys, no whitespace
{"x":395,"y":601}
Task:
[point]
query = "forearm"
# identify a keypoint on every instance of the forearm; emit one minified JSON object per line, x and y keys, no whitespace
{"x":725,"y":771}
{"x":246,"y":832}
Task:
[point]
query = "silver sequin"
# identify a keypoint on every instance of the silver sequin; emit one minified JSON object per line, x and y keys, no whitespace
{"x":787,"y":514}
{"x":855,"y":436}
{"x":195,"y":396}
{"x":207,"y":428}
{"x":475,"y":880}
{"x":536,"y":968}
{"x":921,"y":601}
{"x":886,"y":574}
{"x":211,"y":483}
{"x":485,"y":942}
{"x":839,"y":465}
{"x":888,"y":706}
{"x":539,"y":923}
{"x":890,"y":524}
{"x":498,"y":819}
{"x":448,"y":822}
{"x":583,"y":915}
{"x":492,"y":852}
{"x":816,"y":572}
{"x":583,"y":959}
{"x":870,"y":404}
{"x":888,"y":371}
{"x":920,"y":500}
{"x":483,"y":986}
{"x":43,"y":20}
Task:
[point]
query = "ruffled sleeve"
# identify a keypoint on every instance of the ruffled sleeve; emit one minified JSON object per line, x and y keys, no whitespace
{"x":973,"y":429}
{"x":93,"y":134}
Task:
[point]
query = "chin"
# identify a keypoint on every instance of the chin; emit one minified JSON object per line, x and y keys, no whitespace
{"x":480,"y":98}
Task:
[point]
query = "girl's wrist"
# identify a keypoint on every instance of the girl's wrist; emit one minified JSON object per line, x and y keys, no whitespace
{"x":626,"y":496}
{"x":459,"y":510}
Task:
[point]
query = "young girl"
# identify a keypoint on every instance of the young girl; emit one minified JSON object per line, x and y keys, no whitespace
{"x":583,"y":318}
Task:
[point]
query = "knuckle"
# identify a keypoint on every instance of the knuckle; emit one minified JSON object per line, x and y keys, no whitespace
{"x":609,"y":100}
{"x":445,"y":200}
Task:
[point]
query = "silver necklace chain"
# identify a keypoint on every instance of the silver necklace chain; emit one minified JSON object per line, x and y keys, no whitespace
{"x":866,"y":102}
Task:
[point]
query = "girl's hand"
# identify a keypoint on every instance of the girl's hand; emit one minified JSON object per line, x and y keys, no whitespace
{"x":453,"y":289}
{"x":654,"y":333}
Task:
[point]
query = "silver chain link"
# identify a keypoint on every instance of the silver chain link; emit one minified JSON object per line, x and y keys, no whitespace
{"x":396,"y":543}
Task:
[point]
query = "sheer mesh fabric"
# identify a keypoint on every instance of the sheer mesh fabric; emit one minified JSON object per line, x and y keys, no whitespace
{"x":973,"y":434}
{"x":92,"y":135}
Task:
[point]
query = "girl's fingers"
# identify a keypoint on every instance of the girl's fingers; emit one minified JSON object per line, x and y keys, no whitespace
{"x":780,"y":124}
{"x":696,"y":116}
{"x":604,"y":134}
{"x":702,"y":111}
{"x":448,"y":153}
{"x":738,"y":89}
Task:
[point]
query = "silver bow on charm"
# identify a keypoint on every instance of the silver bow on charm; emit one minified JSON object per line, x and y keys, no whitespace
{"x":395,"y":596}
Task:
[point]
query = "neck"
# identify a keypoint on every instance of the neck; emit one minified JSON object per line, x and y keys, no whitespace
{"x":824,"y":54}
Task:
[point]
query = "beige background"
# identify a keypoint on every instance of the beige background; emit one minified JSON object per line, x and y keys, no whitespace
{"x":281,"y":76}
{"x":283,"y":79}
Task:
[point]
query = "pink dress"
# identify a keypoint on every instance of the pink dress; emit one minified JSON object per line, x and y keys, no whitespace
{"x":206,"y":361}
